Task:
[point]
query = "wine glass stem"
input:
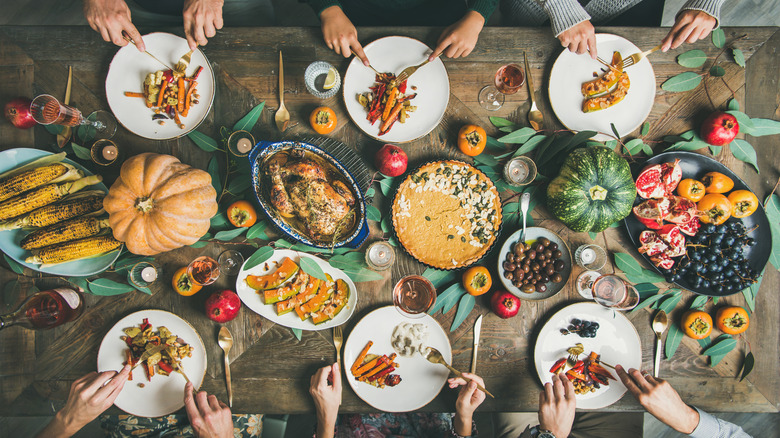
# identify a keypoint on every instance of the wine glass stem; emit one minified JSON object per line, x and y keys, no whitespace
{"x":98,"y":125}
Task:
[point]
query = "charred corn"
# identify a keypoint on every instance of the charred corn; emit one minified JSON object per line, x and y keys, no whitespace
{"x":74,"y":250}
{"x":43,"y":196}
{"x":34,"y":178}
{"x":63,"y":232}
{"x":81,"y":204}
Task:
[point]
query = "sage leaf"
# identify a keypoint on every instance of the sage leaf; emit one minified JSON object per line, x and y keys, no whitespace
{"x":439,"y":277}
{"x":614,"y":130}
{"x":743,"y":151}
{"x":733,"y":105}
{"x":260,"y":256}
{"x":230,"y":234}
{"x":298,"y":333}
{"x":203,"y":141}
{"x":720,"y":346}
{"x":250,"y":119}
{"x":447,"y":299}
{"x":486,"y":159}
{"x":699,"y":302}
{"x":634,"y":272}
{"x":373,"y":214}
{"x":745,"y":122}
{"x":682,"y":82}
{"x":747,"y":365}
{"x":81,"y":151}
{"x":645,"y":129}
{"x":718,"y":38}
{"x":500,"y":122}
{"x":519,"y":136}
{"x":717,"y":71}
{"x":762,"y":127}
{"x":258,"y":231}
{"x":739,"y":57}
{"x":692,"y":58}
{"x":16,"y":267}
{"x":106,"y":287}
{"x":465,"y":306}
{"x":673,"y":339}
{"x":312,"y":268}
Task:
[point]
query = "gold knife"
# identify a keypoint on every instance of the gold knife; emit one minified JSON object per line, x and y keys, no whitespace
{"x":149,"y":353}
{"x":64,"y":136}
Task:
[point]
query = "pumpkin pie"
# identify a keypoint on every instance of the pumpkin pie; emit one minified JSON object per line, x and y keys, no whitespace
{"x":447,"y":214}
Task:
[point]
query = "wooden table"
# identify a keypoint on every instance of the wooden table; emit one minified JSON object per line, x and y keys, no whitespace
{"x":271,"y":369}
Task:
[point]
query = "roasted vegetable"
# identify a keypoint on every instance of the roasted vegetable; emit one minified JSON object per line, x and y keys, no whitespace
{"x":43,"y":196}
{"x":63,"y":232}
{"x":74,"y":250}
{"x":603,"y":83}
{"x":605,"y":101}
{"x":34,"y":178}
{"x":81,"y":204}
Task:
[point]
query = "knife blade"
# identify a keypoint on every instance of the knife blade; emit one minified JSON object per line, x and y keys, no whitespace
{"x":149,"y":353}
{"x":477,"y":330}
{"x":64,"y":136}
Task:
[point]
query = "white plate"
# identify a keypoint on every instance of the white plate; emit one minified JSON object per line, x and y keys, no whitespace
{"x":421,"y":381}
{"x":393,"y":54}
{"x":571,"y":70}
{"x":10,"y":239}
{"x":127,"y":72}
{"x":616,"y":341}
{"x":532,"y":234}
{"x":252,"y":298}
{"x":162,"y":395}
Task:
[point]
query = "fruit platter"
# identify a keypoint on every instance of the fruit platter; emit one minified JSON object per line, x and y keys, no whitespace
{"x":717,"y":246}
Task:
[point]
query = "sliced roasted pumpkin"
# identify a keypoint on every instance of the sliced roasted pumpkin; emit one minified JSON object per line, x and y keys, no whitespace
{"x":284,"y":272}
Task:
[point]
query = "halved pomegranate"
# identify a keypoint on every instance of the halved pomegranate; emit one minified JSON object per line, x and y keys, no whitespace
{"x":691,"y":227}
{"x":652,"y":244}
{"x":673,"y":237}
{"x":651,"y":213}
{"x":663,"y":261}
{"x":681,"y":210}
{"x":672,"y":174}
{"x":658,"y":180}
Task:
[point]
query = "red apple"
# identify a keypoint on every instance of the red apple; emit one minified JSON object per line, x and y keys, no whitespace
{"x":18,"y":112}
{"x":504,"y":304}
{"x":223,"y":306}
{"x":719,"y":128}
{"x":391,"y":160}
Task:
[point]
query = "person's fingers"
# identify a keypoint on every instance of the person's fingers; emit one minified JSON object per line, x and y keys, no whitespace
{"x":639,"y":379}
{"x":439,"y":49}
{"x":345,"y":50}
{"x":322,"y":376}
{"x":218,"y":21}
{"x":548,"y":391}
{"x":190,"y":40}
{"x":593,"y":50}
{"x":136,"y":36}
{"x":451,"y":51}
{"x":99,"y":380}
{"x":223,"y":405}
{"x":456,"y":381}
{"x":628,"y":382}
{"x":695,"y":35}
{"x":199,"y":34}
{"x":357,"y":49}
{"x":117,"y":381}
{"x":189,"y":403}
{"x":573,"y":46}
{"x":213,"y":402}
{"x":468,"y":391}
{"x":582,"y":47}
{"x":209,"y":29}
{"x":202,"y":401}
{"x":681,"y":36}
{"x":568,"y":389}
{"x":666,"y":43}
{"x":558,"y":391}
{"x":468,"y":51}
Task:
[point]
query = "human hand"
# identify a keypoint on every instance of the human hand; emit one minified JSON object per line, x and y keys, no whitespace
{"x":327,"y":397}
{"x":691,"y":26}
{"x":556,"y":406}
{"x":110,"y":18}
{"x":659,"y":398}
{"x":202,"y":18}
{"x":580,"y":38}
{"x":469,"y":396}
{"x":340,"y":34}
{"x":460,"y":37}
{"x":209,"y":417}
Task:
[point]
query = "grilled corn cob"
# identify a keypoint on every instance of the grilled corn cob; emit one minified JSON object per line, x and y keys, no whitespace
{"x":74,"y":250}
{"x":64,"y":232}
{"x":43,"y":196}
{"x":81,"y":204}
{"x":34,"y":178}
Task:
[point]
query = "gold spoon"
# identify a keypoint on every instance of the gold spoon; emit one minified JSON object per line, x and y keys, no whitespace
{"x":282,"y":116}
{"x":659,"y":326}
{"x":535,"y":117}
{"x":434,"y":356}
{"x":225,"y":341}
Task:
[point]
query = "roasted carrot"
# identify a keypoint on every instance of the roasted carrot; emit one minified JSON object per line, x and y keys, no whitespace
{"x":385,"y":126}
{"x":180,"y":105}
{"x":362,"y":370}
{"x":381,"y":374}
{"x":188,"y":99}
{"x":383,"y":363}
{"x":162,"y":93}
{"x":130,"y":362}
{"x":134,"y":94}
{"x":361,"y":356}
{"x":177,"y":119}
{"x":389,"y":103}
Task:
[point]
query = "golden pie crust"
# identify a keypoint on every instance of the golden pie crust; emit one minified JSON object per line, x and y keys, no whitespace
{"x":446,"y":214}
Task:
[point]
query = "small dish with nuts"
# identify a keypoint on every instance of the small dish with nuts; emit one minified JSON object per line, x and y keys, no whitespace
{"x":537,"y":268}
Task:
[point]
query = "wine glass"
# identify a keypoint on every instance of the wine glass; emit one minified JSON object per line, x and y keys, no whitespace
{"x":47,"y":110}
{"x":508,"y":80}
{"x":615,"y":293}
{"x":413,"y":295}
{"x":203,"y":270}
{"x":230,"y":262}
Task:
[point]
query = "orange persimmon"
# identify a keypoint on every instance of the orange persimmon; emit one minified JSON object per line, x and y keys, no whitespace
{"x":696,"y":324}
{"x":323,"y":120}
{"x":241,"y":214}
{"x":692,"y":189}
{"x":716,"y":182}
{"x":183,"y":284}
{"x":715,"y":208}
{"x":477,"y":280}
{"x":744,"y":203}
{"x":732,"y":320}
{"x":472,"y":140}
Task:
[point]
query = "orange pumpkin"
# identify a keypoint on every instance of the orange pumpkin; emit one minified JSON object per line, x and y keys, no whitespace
{"x":732,"y":320}
{"x":697,"y":324}
{"x":158,"y":204}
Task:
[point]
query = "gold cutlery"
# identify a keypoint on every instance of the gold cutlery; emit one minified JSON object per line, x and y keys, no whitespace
{"x":535,"y":117}
{"x":405,"y":73}
{"x":225,"y":341}
{"x":64,"y":136}
{"x":282,"y":116}
{"x":660,"y":321}
{"x":434,"y":356}
{"x":131,"y":41}
{"x":180,"y":370}
{"x":184,"y":62}
{"x":147,"y":354}
{"x":636,"y":57}
{"x":338,"y":340}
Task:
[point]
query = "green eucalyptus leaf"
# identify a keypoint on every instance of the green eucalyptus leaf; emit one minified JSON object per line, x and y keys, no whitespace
{"x":762,"y":127}
{"x":260,"y":256}
{"x":752,"y":293}
{"x":519,"y":136}
{"x":220,"y":220}
{"x":106,"y":287}
{"x":507,"y":129}
{"x":733,"y":105}
{"x":634,"y":146}
{"x":370,"y":192}
{"x":685,"y":81}
{"x":614,"y":130}
{"x":486,"y":159}
{"x":465,"y":306}
{"x":54,"y":129}
{"x":745,"y":122}
{"x":281,"y":243}
{"x":145,"y":290}
{"x":16,"y":267}
{"x":717,"y":71}
{"x":203,"y":141}
{"x":230,"y":234}
{"x":298,"y":333}
{"x":257,"y":231}
{"x":670,"y":303}
{"x":704,"y":343}
{"x":692,"y":58}
{"x":79,"y":282}
{"x":646,"y":289}
{"x":312,"y":268}
{"x":494,"y":144}
{"x":739,"y":57}
{"x":645,"y":129}
{"x":360,"y":274}
{"x":611,"y":144}
{"x":439,"y":277}
{"x":532,"y":144}
{"x":699,"y":302}
{"x":239,"y":185}
{"x":715,"y":150}
{"x":250,"y":119}
{"x":385,"y":225}
{"x":647,"y":302}
{"x":634,"y":272}
{"x":647,"y":149}
{"x":718,"y":38}
{"x":772,"y":208}
{"x":81,"y":151}
{"x":500,"y":122}
{"x":673,"y":339}
{"x":744,"y":151}
{"x":720,"y":346}
{"x":747,"y":365}
{"x":386,"y":185}
{"x":199,"y":244}
{"x":213,"y":170}
{"x":592,"y":235}
{"x":373,"y":214}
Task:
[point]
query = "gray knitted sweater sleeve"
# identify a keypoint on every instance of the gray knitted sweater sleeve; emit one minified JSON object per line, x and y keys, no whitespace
{"x":564,"y":14}
{"x":711,"y":7}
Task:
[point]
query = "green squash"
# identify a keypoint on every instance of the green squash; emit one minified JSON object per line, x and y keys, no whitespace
{"x":594,"y":190}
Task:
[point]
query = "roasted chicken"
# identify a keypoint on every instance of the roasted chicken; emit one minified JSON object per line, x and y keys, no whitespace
{"x":301,"y":188}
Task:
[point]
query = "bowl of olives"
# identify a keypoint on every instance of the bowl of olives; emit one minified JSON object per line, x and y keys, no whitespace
{"x":537,"y":268}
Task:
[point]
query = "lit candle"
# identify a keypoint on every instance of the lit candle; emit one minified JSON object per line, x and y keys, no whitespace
{"x":243,"y":145}
{"x":149,"y":274}
{"x":517,"y":171}
{"x":109,"y":152}
{"x":588,"y":255}
{"x":380,"y":255}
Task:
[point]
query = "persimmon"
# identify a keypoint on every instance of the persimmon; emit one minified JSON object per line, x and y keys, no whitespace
{"x":472,"y":140}
{"x":323,"y":120}
{"x":744,"y":203}
{"x":183,"y":284}
{"x":732,"y":320}
{"x":241,"y":214}
{"x":692,"y":189}
{"x":477,"y":280}
{"x":716,"y":182}
{"x":715,"y":209}
{"x":696,"y":324}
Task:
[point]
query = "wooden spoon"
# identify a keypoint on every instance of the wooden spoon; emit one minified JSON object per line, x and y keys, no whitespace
{"x":282,"y":116}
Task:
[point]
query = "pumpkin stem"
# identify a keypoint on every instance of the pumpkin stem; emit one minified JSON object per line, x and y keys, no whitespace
{"x":598,"y":193}
{"x":144,"y":205}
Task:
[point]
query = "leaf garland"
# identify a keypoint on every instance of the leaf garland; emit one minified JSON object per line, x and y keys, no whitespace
{"x":447,"y":299}
{"x":486,"y":159}
{"x":354,"y":265}
{"x":647,"y":302}
{"x":260,"y":256}
{"x":685,"y":81}
{"x":692,"y":58}
{"x":634,"y":272}
{"x":494,"y":144}
{"x":500,"y":122}
{"x":250,"y":119}
{"x":646,"y":289}
{"x":465,"y":306}
{"x":203,"y":141}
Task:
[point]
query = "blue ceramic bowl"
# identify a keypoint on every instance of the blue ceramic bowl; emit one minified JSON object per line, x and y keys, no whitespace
{"x":265,"y":149}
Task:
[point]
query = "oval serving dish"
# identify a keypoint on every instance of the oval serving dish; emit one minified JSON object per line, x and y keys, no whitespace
{"x":264,"y":151}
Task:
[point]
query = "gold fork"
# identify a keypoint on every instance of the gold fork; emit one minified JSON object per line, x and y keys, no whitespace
{"x":184,"y":62}
{"x":338,"y":340}
{"x":636,"y":57}
{"x":408,"y":71}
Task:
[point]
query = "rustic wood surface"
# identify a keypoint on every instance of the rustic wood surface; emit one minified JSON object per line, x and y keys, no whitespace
{"x":271,"y":368}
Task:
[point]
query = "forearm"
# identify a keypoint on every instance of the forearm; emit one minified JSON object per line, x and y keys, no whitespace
{"x":711,"y":7}
{"x":326,"y":425}
{"x":462,"y":425}
{"x":58,"y":427}
{"x":709,"y":426}
{"x":564,"y":14}
{"x":321,"y":5}
{"x":483,"y":7}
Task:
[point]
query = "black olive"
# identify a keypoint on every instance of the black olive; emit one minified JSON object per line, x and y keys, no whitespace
{"x":556,"y":278}
{"x":531,"y":254}
{"x":541,"y":287}
{"x":558,"y":265}
{"x":552,"y":246}
{"x":557,"y":254}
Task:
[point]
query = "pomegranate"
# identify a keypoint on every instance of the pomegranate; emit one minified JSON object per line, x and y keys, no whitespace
{"x":719,"y":128}
{"x":663,"y":261}
{"x":691,"y":227}
{"x":391,"y":160}
{"x":658,"y":180}
{"x":223,"y":306}
{"x":652,"y":244}
{"x":18,"y":113}
{"x":674,"y":238}
{"x":681,"y":210}
{"x":671,"y":175}
{"x":651,"y":213}
{"x":504,"y":304}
